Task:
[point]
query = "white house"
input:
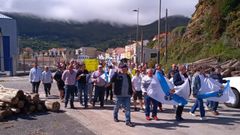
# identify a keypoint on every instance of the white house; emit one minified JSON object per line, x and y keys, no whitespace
{"x":134,"y":53}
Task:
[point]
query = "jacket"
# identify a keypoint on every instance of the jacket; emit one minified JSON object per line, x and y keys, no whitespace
{"x":117,"y":80}
{"x":196,"y":84}
{"x":177,"y":79}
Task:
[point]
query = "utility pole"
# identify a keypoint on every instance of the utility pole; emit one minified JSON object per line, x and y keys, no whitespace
{"x":159,"y":28}
{"x":142,"y":54}
{"x":166,"y":37}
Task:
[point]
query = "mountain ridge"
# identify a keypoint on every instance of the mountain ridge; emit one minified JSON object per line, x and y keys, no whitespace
{"x":41,"y":34}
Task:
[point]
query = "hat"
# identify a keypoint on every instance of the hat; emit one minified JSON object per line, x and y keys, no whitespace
{"x":99,"y":66}
{"x":123,"y":66}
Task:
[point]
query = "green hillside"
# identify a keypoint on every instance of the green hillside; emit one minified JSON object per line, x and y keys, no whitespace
{"x":42,"y":34}
{"x":213,"y":31}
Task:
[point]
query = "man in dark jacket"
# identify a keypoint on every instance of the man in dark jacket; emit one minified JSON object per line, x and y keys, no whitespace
{"x":60,"y":83}
{"x":174,"y":69}
{"x":216,"y":75}
{"x":178,"y":79}
{"x":123,"y":91}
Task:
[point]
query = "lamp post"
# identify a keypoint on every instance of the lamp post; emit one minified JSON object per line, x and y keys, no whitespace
{"x":137,"y":10}
{"x":159,"y":28}
{"x":141,"y":58}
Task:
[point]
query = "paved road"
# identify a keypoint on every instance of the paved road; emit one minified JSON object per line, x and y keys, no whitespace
{"x":43,"y":124}
{"x":100,"y":121}
{"x":39,"y":123}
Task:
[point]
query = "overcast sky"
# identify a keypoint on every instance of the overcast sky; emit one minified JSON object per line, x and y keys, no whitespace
{"x":116,"y":11}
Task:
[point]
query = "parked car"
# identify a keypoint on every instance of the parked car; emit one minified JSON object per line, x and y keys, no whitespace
{"x":235,"y":85}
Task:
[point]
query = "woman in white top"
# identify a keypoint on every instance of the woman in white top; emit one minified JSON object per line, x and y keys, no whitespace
{"x":47,"y":80}
{"x":136,"y":84}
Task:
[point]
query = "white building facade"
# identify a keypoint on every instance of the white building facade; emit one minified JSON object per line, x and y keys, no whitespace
{"x":134,"y":53}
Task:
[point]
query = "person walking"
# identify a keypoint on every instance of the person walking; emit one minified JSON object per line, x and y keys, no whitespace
{"x":136,"y":83}
{"x":146,"y":81}
{"x":35,"y":77}
{"x":99,"y":84}
{"x":196,"y":88}
{"x":69,"y":78}
{"x":123,"y":91}
{"x":82,"y":74}
{"x":47,"y":80}
{"x":60,"y":83}
{"x":159,"y":69}
{"x":178,"y":79}
{"x":109,"y":91}
{"x":216,"y":75}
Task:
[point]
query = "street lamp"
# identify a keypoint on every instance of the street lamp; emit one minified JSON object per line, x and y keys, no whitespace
{"x":159,"y":28}
{"x":137,"y":10}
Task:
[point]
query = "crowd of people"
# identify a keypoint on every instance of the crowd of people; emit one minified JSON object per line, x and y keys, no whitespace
{"x":121,"y":83}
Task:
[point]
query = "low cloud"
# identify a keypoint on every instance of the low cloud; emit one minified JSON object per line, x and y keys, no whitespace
{"x":115,"y":11}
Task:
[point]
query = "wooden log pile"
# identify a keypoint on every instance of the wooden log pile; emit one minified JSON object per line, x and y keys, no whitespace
{"x":14,"y":101}
{"x":229,"y":68}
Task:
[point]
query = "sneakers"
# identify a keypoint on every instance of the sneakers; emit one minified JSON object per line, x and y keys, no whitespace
{"x":192,"y":114}
{"x":86,"y":106}
{"x":202,"y":118}
{"x":215,"y":112}
{"x":155,"y":118}
{"x":130,"y":124}
{"x":116,"y":120}
{"x":148,"y":118}
{"x":179,"y":119}
{"x":72,"y":107}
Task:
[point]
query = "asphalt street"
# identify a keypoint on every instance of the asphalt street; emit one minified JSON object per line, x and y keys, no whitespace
{"x":100,"y":121}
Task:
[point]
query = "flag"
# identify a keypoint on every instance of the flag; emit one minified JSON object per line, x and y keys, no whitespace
{"x":211,"y":90}
{"x":159,"y":89}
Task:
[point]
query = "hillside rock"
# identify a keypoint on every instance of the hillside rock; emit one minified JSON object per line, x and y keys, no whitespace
{"x":213,"y":20}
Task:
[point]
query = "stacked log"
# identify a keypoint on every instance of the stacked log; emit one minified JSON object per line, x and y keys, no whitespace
{"x":229,"y":68}
{"x":53,"y":106}
{"x":14,"y":101}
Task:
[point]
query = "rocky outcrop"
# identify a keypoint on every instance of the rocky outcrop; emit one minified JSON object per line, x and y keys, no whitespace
{"x":215,"y":20}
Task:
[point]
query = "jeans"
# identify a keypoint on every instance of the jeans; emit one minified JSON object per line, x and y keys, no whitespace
{"x":35,"y":87}
{"x":47,"y":88}
{"x":109,"y":91}
{"x":148,"y":100}
{"x":90,"y":91}
{"x":213,"y":105}
{"x":179,"y":111}
{"x":69,"y":92}
{"x":125,"y":102}
{"x":83,"y":89}
{"x":198,"y":103}
{"x":99,"y":93}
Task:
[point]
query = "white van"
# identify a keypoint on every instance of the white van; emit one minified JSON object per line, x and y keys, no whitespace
{"x":235,"y":85}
